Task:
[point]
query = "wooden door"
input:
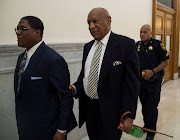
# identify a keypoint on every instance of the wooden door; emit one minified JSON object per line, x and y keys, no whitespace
{"x":164,"y":32}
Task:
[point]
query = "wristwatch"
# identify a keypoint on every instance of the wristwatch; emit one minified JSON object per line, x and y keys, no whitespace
{"x":153,"y":71}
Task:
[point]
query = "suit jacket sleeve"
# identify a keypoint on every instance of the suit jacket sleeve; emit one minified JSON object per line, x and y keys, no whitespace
{"x":79,"y":84}
{"x":60,"y":79}
{"x":131,"y":84}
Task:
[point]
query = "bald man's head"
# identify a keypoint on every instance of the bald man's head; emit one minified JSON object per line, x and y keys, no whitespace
{"x":99,"y":22}
{"x":145,"y":33}
{"x":101,"y":11}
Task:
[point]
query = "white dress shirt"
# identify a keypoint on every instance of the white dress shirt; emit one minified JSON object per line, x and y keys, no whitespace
{"x":88,"y":62}
{"x":31,"y":52}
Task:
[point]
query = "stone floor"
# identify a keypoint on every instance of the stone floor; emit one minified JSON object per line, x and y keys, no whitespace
{"x":169,"y":113}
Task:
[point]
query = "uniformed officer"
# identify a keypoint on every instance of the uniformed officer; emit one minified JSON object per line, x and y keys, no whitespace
{"x":153,"y":58}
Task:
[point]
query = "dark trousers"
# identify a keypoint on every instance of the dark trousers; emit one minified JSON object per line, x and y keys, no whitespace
{"x":150,"y":97}
{"x":94,"y":125}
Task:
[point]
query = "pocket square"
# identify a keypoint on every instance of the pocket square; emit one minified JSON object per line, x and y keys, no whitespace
{"x":115,"y":63}
{"x":36,"y":78}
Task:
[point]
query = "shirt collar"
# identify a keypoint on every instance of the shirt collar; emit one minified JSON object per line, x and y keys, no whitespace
{"x":33,"y":49}
{"x":104,"y":41}
{"x":149,"y":42}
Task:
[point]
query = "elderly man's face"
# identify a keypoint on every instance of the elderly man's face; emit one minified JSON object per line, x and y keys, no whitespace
{"x":99,"y":25}
{"x":26,"y":36}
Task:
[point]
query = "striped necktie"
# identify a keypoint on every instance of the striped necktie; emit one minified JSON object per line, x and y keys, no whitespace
{"x":21,"y":70}
{"x":93,"y":74}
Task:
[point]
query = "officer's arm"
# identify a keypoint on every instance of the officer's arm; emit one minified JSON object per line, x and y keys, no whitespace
{"x":161,"y":66}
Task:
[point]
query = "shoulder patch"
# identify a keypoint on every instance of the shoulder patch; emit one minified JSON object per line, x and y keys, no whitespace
{"x":167,"y":54}
{"x":163,"y":46}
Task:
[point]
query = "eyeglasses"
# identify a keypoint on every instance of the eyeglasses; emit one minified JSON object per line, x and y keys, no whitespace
{"x":22,"y":29}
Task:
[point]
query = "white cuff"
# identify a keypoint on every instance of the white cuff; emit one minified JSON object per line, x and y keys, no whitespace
{"x":75,"y":90}
{"x":62,"y":131}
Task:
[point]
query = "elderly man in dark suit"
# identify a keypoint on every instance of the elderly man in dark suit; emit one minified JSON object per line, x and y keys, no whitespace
{"x":108,"y":84}
{"x":44,"y":102}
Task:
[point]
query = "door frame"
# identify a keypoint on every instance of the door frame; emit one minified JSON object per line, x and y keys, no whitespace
{"x":175,"y":12}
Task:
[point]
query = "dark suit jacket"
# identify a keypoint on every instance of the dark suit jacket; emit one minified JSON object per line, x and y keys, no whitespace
{"x":39,"y":111}
{"x":118,"y":85}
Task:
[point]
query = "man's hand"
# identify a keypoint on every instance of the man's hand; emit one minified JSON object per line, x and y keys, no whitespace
{"x":72,"y":89}
{"x":127,"y":125}
{"x":148,"y":74}
{"x":59,"y":136}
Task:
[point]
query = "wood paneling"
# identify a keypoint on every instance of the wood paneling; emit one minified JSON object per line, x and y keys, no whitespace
{"x":165,"y":22}
{"x":176,"y":36}
{"x":159,"y":22}
{"x":154,"y":11}
{"x":169,"y":24}
{"x":164,"y":27}
{"x":165,"y":9}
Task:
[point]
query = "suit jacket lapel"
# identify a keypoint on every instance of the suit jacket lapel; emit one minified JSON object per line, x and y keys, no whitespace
{"x":86,"y":51}
{"x":108,"y":58}
{"x":31,"y":68}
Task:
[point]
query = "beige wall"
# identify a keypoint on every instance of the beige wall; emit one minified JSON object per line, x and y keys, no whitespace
{"x":66,"y":20}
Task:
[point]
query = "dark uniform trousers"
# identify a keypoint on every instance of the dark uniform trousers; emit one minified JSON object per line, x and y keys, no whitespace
{"x":150,"y":97}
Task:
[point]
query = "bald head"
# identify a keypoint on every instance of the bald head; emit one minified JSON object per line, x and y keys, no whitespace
{"x":147,"y":27}
{"x":145,"y":33}
{"x":99,"y":22}
{"x":101,"y":11}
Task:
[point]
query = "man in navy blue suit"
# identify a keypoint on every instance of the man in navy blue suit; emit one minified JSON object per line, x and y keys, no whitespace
{"x":110,"y":91}
{"x":43,"y":100}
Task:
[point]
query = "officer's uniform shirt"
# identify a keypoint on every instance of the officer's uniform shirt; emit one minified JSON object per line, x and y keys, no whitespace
{"x":151,"y":54}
